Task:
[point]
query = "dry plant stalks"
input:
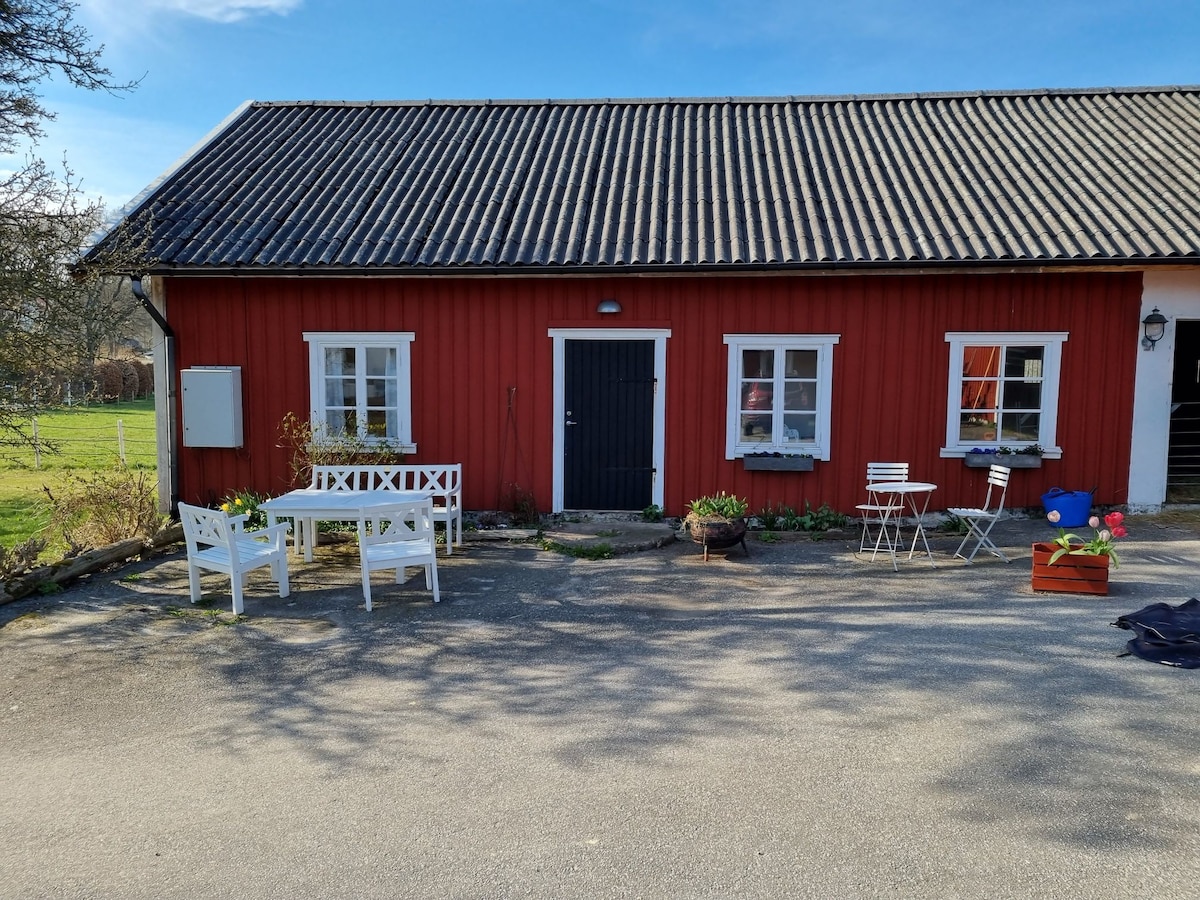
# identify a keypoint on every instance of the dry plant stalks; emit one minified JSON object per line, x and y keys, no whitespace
{"x":20,"y":558}
{"x":106,"y":506}
{"x":306,"y":449}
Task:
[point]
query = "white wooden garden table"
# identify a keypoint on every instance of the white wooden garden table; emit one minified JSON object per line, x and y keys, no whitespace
{"x":308,"y":506}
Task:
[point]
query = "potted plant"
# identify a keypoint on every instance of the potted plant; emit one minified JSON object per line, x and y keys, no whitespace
{"x":1068,"y":564}
{"x":1028,"y":457}
{"x":717,"y":522}
{"x":778,"y":462}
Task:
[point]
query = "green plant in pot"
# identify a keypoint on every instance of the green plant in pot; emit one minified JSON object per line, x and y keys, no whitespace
{"x":717,"y":521}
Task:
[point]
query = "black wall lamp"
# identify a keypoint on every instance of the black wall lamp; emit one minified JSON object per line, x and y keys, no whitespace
{"x":1154,"y":326}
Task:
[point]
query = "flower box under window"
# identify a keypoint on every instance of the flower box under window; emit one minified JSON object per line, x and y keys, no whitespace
{"x":777,"y":463}
{"x":1011,"y":460}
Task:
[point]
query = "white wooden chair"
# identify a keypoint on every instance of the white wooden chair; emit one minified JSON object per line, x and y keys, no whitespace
{"x":881,"y":511}
{"x":396,"y":537}
{"x":218,"y":543}
{"x":981,"y":519}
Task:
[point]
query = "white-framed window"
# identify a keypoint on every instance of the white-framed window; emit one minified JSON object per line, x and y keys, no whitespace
{"x":780,"y":393}
{"x":361,"y":387}
{"x":1003,"y":391}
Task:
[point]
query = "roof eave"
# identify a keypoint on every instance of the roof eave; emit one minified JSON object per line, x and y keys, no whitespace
{"x":814,"y":268}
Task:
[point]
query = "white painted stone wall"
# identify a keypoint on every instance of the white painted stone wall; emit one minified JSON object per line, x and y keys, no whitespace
{"x":1177,"y":296}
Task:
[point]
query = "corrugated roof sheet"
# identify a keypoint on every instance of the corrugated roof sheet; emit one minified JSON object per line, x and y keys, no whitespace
{"x":1048,"y":177}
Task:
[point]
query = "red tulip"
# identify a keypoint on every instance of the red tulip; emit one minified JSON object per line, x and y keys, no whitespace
{"x":1113,"y":519}
{"x":1118,"y":531}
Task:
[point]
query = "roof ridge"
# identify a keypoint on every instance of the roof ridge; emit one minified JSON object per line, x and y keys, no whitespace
{"x":785,"y":98}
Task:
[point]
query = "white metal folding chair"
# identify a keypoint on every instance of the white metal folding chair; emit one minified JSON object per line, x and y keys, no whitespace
{"x":882,"y":512}
{"x":980,"y":520}
{"x":395,"y":537}
{"x":217,"y":542}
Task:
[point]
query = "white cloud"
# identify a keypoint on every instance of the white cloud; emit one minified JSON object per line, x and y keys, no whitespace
{"x":119,"y":12}
{"x":226,"y":10}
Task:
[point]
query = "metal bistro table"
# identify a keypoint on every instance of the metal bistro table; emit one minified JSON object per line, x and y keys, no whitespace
{"x":910,"y":491}
{"x":307,"y":506}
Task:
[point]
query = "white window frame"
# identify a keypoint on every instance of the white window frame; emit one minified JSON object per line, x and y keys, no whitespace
{"x":1051,"y":343}
{"x":823,"y":344}
{"x":401,"y":342}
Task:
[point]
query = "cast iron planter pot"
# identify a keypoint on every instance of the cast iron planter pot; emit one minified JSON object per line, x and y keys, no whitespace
{"x":1011,"y":460}
{"x":1070,"y":574}
{"x":718,"y":534}
{"x":777,"y":463}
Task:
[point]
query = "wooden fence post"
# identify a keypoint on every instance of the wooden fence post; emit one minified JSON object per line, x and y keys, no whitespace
{"x":121,"y":440}
{"x":37,"y":446}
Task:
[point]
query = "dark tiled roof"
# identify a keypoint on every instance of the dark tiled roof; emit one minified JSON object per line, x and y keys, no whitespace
{"x":997,"y":178}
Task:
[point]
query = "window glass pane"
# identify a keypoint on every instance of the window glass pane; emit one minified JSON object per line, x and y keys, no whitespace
{"x":801,"y":364}
{"x":758,"y":363}
{"x":757,"y":428}
{"x":381,"y":360}
{"x":340,"y":392}
{"x":799,"y":427}
{"x":339,"y":422}
{"x":381,"y":423}
{"x":1020,"y":427}
{"x":799,"y":395}
{"x":981,"y":362}
{"x":377,"y":391}
{"x":1022,"y":395}
{"x":1023,"y":362}
{"x":339,"y":360}
{"x":979,"y":394}
{"x":977,"y":427}
{"x":757,"y":395}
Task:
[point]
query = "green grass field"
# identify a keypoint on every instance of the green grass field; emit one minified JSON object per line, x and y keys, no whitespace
{"x":88,"y":440}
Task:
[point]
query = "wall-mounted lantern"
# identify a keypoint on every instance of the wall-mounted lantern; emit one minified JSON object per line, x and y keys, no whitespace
{"x":1154,"y":326}
{"x":612,"y":306}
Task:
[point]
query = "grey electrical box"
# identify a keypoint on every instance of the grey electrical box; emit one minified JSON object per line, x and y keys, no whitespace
{"x":212,"y":406}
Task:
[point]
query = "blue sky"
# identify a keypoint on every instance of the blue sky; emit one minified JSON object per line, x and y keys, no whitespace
{"x":199,"y":59}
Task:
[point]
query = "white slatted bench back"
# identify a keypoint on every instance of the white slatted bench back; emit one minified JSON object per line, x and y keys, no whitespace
{"x":443,"y":482}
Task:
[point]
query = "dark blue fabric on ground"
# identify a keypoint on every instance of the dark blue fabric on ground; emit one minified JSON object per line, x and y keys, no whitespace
{"x":1166,"y":634}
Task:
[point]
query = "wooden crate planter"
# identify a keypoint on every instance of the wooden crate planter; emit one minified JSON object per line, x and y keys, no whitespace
{"x":777,"y":463}
{"x":1011,"y":460}
{"x":1070,"y":574}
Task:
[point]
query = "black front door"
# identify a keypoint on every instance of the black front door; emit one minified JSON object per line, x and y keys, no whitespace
{"x":609,"y":431}
{"x":1183,"y":455}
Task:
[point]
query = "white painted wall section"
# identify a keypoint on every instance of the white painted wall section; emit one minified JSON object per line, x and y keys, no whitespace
{"x":1177,"y":296}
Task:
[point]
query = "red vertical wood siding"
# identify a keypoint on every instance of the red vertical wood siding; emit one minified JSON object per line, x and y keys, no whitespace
{"x":482,"y":372}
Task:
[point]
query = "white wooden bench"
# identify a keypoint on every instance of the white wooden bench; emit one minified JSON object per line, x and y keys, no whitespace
{"x":443,"y":483}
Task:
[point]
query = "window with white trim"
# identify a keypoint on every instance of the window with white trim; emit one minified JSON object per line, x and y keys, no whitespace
{"x":361,"y":386}
{"x":780,"y":392}
{"x":1003,"y":391}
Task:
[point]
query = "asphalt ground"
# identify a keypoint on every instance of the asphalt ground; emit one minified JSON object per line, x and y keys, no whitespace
{"x":794,"y":722}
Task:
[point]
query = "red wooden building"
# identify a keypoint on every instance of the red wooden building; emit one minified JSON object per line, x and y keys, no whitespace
{"x":610,"y":304}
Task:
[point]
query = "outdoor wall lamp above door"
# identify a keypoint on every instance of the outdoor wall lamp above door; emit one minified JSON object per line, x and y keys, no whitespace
{"x":612,"y":306}
{"x":1154,"y":326}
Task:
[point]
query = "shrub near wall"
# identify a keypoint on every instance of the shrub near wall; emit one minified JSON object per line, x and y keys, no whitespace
{"x":145,"y":378}
{"x":129,"y":380}
{"x":110,"y":380}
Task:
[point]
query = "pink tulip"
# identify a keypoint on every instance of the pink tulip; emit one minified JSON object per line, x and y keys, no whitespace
{"x":1113,"y":519}
{"x":1054,"y":515}
{"x":1104,"y":535}
{"x":1094,"y":522}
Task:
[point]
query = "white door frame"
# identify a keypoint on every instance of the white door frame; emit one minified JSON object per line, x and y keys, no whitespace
{"x":560,"y":336}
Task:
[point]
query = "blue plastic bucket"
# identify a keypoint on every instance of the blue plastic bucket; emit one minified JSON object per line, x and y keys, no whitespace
{"x":1074,"y":507}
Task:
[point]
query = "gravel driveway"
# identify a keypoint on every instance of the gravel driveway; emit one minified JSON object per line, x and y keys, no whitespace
{"x":796,"y":723}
